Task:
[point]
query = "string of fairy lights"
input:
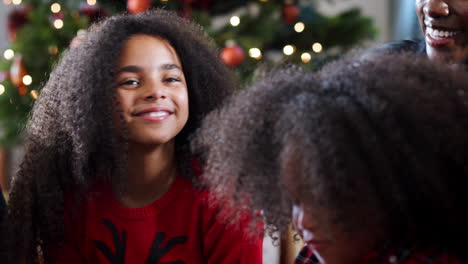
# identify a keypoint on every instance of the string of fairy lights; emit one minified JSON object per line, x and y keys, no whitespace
{"x":288,"y":49}
{"x":253,"y":52}
{"x":57,"y":23}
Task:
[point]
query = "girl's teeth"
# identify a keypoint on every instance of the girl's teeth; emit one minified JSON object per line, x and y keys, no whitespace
{"x":157,"y":114}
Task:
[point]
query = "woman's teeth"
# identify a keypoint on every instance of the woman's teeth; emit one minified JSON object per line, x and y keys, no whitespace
{"x":435,"y":33}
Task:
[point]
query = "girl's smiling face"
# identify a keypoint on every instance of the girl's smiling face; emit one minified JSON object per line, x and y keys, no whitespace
{"x":151,"y":90}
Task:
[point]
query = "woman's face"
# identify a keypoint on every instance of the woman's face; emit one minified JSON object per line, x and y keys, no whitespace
{"x":151,"y":90}
{"x":444,"y":24}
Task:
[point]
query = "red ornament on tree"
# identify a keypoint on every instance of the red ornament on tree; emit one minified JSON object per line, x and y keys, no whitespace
{"x":290,"y":13}
{"x":16,"y":19}
{"x":232,"y":55}
{"x":94,"y":12}
{"x":18,"y":71}
{"x":137,"y":6}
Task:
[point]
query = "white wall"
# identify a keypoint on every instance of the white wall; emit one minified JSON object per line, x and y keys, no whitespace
{"x":3,"y":26}
{"x":379,"y":10}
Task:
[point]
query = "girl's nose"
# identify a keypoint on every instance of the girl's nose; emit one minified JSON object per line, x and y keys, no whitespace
{"x":436,"y":8}
{"x":154,"y":91}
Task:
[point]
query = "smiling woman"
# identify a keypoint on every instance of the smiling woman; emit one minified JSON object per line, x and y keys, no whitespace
{"x":444,"y":24}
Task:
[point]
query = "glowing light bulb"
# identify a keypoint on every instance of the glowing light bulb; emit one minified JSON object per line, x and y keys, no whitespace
{"x":55,"y":8}
{"x":2,"y":89}
{"x":8,"y":54}
{"x":27,"y":80}
{"x":299,"y":27}
{"x":34,"y":94}
{"x":289,"y":49}
{"x":305,"y":57}
{"x":235,"y":21}
{"x":91,"y":2}
{"x":317,"y":47}
{"x":255,"y":53}
{"x":16,"y":2}
{"x":58,"y":23}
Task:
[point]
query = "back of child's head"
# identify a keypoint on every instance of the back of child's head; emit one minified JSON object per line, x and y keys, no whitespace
{"x":378,"y":145}
{"x":71,"y":140}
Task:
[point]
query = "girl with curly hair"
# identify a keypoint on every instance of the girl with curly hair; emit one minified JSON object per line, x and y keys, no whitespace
{"x":367,"y":158}
{"x":108,"y":176}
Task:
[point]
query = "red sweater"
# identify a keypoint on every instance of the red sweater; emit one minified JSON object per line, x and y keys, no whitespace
{"x":178,"y":228}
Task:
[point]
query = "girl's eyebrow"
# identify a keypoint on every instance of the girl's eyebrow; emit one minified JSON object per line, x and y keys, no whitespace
{"x":137,"y":69}
{"x":130,"y":68}
{"x":169,"y":66}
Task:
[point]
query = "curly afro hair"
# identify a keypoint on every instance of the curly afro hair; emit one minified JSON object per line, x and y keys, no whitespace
{"x":378,"y":143}
{"x":70,"y":140}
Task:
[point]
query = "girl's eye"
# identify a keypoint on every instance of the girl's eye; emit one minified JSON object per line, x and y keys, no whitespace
{"x":129,"y":83}
{"x":171,"y":79}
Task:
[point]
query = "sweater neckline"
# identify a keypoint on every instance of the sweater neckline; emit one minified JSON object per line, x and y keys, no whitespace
{"x":151,"y":208}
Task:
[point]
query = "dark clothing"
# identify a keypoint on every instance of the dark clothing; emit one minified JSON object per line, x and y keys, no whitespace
{"x":417,"y":47}
{"x":2,"y":205}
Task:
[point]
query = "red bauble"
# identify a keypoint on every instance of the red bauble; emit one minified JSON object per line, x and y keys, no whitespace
{"x":137,"y":6}
{"x":18,"y":71}
{"x":16,"y":19}
{"x":94,"y":12}
{"x":290,"y":13}
{"x":232,"y":56}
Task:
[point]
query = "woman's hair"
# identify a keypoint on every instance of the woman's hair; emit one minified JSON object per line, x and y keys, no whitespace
{"x":378,"y":144}
{"x":70,"y":140}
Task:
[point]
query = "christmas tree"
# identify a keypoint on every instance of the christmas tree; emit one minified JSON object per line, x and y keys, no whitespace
{"x":249,"y":33}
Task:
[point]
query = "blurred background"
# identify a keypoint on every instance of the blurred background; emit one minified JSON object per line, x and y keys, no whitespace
{"x":251,"y":34}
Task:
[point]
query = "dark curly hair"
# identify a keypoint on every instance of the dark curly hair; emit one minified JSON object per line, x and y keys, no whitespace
{"x":70,"y":140}
{"x":379,"y":144}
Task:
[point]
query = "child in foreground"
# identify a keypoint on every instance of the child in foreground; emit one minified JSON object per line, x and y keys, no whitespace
{"x":368,"y":159}
{"x":108,"y":176}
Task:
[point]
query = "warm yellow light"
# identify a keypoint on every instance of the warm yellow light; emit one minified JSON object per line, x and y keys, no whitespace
{"x":58,"y":23}
{"x":2,"y":89}
{"x":317,"y":47}
{"x":289,"y":49}
{"x":164,"y":1}
{"x":305,"y":57}
{"x":7,"y":2}
{"x":16,"y":2}
{"x":91,"y":2}
{"x":9,"y":54}
{"x":27,"y":80}
{"x":263,"y":0}
{"x":53,"y":50}
{"x":299,"y":27}
{"x":55,"y":8}
{"x":235,"y":21}
{"x":34,"y":94}
{"x":255,"y":53}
